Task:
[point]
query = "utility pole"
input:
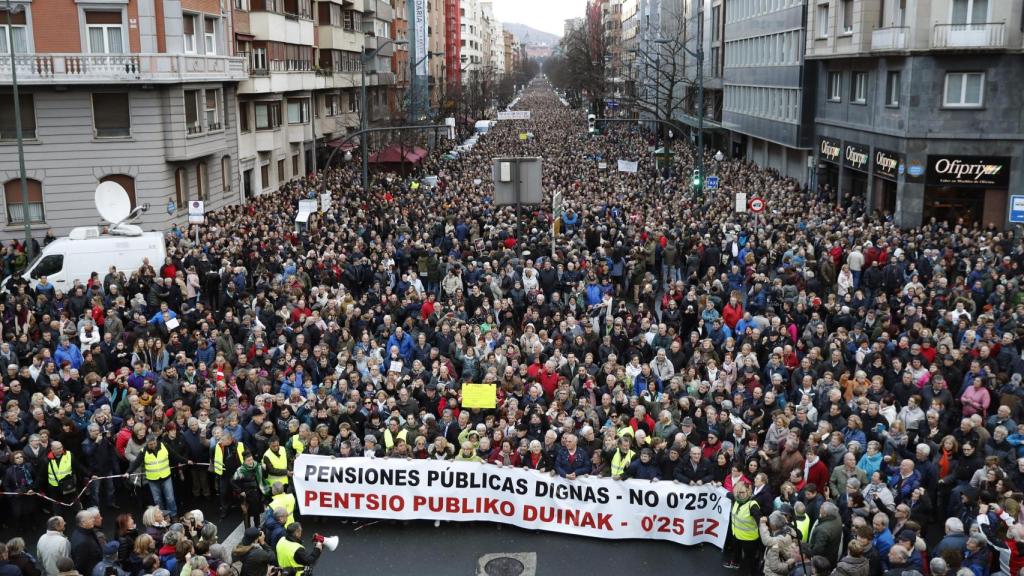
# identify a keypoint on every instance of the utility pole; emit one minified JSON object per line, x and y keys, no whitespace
{"x":21,"y":145}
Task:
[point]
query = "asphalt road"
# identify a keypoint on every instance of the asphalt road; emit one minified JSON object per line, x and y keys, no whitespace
{"x":395,"y":548}
{"x":454,"y":549}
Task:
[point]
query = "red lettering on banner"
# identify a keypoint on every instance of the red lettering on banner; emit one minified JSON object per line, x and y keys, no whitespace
{"x":567,"y":517}
{"x":705,"y":526}
{"x":418,"y":502}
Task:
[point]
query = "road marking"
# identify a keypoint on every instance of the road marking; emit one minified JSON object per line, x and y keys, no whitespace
{"x":235,"y":538}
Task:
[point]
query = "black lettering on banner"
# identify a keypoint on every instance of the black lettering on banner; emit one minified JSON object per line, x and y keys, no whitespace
{"x":643,"y":497}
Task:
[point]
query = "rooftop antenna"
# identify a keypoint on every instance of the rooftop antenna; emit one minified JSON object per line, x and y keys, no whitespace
{"x":114,"y":206}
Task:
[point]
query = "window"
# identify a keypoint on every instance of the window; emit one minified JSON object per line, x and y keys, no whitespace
{"x":28,"y":116}
{"x":111,"y":116}
{"x":243,"y":117}
{"x":970,"y":11}
{"x":192,"y":106}
{"x":190,"y":32}
{"x":126,"y":182}
{"x":105,"y":32}
{"x":259,"y":59}
{"x":225,"y":173}
{"x":264,"y":170}
{"x":295,"y":164}
{"x":859,"y":93}
{"x":201,"y":181}
{"x":180,"y":187}
{"x":353,"y":102}
{"x":348,"y":20}
{"x":892,"y":88}
{"x":210,"y":35}
{"x":15,"y":207}
{"x":847,"y":16}
{"x":213,"y":109}
{"x":822,"y":24}
{"x":241,"y":4}
{"x":280,"y":171}
{"x":835,"y":86}
{"x":49,"y":265}
{"x":330,"y":105}
{"x":298,"y":111}
{"x":716,"y":18}
{"x":964,"y":89}
{"x":268,"y":115}
{"x":16,"y":35}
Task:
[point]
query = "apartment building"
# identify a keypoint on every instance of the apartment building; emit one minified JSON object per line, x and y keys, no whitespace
{"x":470,"y":41}
{"x":611,"y":21}
{"x":918,"y":105}
{"x":303,"y":88}
{"x":134,"y":91}
{"x":768,"y":93}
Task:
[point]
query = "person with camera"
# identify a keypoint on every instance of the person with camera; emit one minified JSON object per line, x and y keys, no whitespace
{"x":254,"y":553}
{"x":292,"y":556}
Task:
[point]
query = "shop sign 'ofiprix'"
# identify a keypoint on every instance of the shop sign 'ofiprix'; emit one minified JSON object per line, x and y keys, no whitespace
{"x":830,"y":149}
{"x":856,"y":156}
{"x":969,"y":171}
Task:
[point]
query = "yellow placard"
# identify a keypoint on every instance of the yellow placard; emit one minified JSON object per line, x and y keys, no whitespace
{"x":479,"y":395}
{"x":523,"y":136}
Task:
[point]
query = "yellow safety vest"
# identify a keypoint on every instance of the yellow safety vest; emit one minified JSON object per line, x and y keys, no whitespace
{"x":286,"y":501}
{"x":804,"y":526}
{"x":625,"y":431}
{"x":158,"y":466}
{"x":218,"y":457}
{"x":286,"y":550}
{"x":59,"y":469}
{"x":389,"y":439}
{"x":620,"y":462}
{"x":744,"y":527}
{"x":279,"y":461}
{"x":297,"y":446}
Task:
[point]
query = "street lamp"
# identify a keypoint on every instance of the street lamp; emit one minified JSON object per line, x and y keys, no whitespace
{"x":364,"y":123}
{"x":17,"y":130}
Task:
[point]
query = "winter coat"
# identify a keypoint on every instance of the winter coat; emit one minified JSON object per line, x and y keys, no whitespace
{"x":254,"y":559}
{"x":850,"y":566}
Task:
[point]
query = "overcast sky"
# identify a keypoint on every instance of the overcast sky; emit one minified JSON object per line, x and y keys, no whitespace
{"x":546,"y":15}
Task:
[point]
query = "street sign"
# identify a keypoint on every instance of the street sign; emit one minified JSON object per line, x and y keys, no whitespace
{"x":1017,"y":209}
{"x":517,"y":181}
{"x":757,"y":205}
{"x":741,"y":202}
{"x":196,"y":212}
{"x":514,"y":115}
{"x":712,"y":182}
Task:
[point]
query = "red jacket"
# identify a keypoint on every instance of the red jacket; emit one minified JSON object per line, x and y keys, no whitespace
{"x":732,"y":314}
{"x":818,"y":474}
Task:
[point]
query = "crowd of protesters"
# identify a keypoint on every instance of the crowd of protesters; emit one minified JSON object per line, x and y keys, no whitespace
{"x":849,"y":382}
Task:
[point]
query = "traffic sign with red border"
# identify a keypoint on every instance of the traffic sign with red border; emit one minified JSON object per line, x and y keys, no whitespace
{"x":757,"y":205}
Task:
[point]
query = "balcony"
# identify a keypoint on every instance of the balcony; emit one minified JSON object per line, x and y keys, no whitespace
{"x":984,"y":35}
{"x":894,"y":38}
{"x":131,"y":68}
{"x":335,"y":38}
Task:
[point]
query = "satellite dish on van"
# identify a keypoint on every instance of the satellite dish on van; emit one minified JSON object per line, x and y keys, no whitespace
{"x":114,"y":206}
{"x":112,"y":202}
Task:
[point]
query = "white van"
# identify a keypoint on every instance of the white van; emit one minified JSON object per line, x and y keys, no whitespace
{"x":85,"y":251}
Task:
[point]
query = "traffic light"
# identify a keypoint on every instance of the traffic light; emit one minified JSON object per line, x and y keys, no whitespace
{"x":698,"y":179}
{"x":591,"y":123}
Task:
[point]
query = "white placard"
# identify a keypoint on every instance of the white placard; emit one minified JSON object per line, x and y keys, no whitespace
{"x":196,"y":208}
{"x":325,"y":201}
{"x":628,"y":166}
{"x":602,"y":165}
{"x":741,"y":201}
{"x":172,"y":323}
{"x":400,"y":489}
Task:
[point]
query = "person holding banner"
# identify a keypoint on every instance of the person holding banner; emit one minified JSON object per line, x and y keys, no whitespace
{"x":571,"y":461}
{"x":743,"y":545}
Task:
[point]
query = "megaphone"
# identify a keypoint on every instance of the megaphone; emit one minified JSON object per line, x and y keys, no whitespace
{"x":330,"y":542}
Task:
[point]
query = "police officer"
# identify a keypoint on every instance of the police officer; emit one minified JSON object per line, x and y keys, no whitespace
{"x":291,"y":555}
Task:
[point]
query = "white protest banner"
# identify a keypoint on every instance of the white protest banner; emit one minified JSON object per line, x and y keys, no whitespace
{"x":514,"y":115}
{"x":627,"y":166}
{"x":400,"y":489}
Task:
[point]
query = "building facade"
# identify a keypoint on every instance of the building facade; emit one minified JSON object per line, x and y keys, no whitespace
{"x":768,"y":93}
{"x":916,"y":115}
{"x":137,"y":91}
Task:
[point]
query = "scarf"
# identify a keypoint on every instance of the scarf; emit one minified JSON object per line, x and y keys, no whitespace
{"x":255,"y":471}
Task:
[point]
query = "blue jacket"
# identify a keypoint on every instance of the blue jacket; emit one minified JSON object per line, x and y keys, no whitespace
{"x":638,"y":469}
{"x":579,"y":466}
{"x":882,"y":542}
{"x":405,"y":346}
{"x":70,"y":353}
{"x":903,"y":489}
